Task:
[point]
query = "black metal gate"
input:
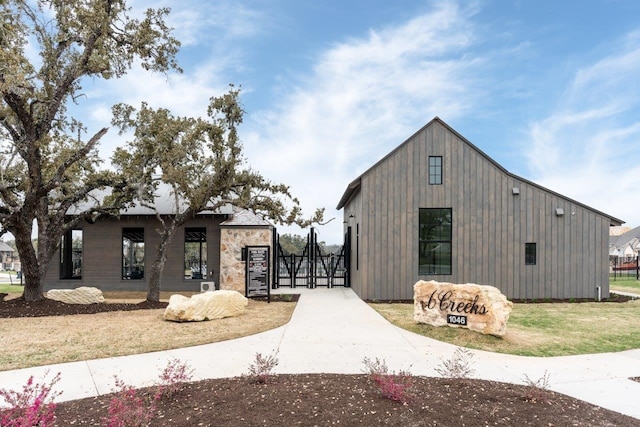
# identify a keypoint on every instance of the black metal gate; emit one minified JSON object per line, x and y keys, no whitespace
{"x":312,"y":268}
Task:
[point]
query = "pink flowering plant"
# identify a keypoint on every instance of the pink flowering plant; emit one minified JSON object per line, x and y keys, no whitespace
{"x":32,"y":406}
{"x":392,"y":385}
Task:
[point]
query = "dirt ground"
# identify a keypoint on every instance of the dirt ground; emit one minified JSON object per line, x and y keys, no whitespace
{"x":329,"y":399}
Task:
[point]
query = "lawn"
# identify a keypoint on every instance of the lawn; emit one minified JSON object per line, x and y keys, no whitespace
{"x":27,"y":342}
{"x":544,"y":329}
{"x":11,"y":289}
{"x":625,"y":284}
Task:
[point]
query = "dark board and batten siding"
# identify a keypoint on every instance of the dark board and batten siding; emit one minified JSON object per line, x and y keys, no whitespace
{"x":102,"y":256}
{"x":490,"y":225}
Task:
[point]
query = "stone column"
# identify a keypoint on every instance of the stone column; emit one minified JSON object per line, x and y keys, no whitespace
{"x":232,"y":240}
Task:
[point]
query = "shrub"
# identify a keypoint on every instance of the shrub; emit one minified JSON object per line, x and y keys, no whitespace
{"x":392,"y":385}
{"x":173,"y":377}
{"x":262,"y":367}
{"x":458,"y":366}
{"x":128,"y":408}
{"x":33,"y":406}
{"x":538,"y":390}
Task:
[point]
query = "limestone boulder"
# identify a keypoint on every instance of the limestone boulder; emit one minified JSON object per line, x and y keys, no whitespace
{"x":81,"y":295}
{"x":205,"y":306}
{"x":479,"y":308}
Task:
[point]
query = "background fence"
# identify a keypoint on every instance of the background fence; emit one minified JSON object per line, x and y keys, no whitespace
{"x":624,"y":268}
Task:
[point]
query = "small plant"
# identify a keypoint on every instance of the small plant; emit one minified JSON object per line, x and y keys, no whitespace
{"x":458,"y":366}
{"x":33,"y":406}
{"x":538,"y":389}
{"x":173,"y":377}
{"x":128,"y":408}
{"x":392,"y":385}
{"x":262,"y":367}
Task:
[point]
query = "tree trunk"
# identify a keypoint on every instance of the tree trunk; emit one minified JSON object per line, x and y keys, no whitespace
{"x":33,"y":286}
{"x":157,"y":267}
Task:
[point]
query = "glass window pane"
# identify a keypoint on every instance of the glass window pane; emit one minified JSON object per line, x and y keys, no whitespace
{"x":435,"y":170}
{"x":71,"y":255}
{"x":530,"y":254}
{"x":133,"y":253}
{"x":434,"y":241}
{"x":195,"y":253}
{"x":435,"y":258}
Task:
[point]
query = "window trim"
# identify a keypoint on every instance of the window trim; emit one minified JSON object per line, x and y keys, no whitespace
{"x":123,"y":274}
{"x":203,"y":252}
{"x":435,"y":170}
{"x":448,"y":241}
{"x":530,"y":258}
{"x":66,"y":250}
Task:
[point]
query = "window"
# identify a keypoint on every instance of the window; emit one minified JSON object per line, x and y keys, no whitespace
{"x":435,"y":170}
{"x":195,"y":253}
{"x":434,"y":242}
{"x":530,"y":254}
{"x":71,"y":255}
{"x":133,"y":253}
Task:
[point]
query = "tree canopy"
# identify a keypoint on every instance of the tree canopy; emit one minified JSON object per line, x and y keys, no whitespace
{"x":49,"y":164}
{"x":201,"y":162}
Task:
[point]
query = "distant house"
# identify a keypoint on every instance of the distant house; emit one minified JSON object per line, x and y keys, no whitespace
{"x":625,"y":247}
{"x":439,"y":208}
{"x":8,"y":259}
{"x":117,"y":254}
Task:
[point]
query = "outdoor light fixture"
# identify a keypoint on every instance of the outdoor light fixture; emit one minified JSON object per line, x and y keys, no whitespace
{"x":515,"y":191}
{"x":559,"y":212}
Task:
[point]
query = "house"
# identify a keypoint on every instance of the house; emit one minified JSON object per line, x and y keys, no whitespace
{"x":117,"y":253}
{"x":438,"y":208}
{"x":624,"y":247}
{"x":8,"y":258}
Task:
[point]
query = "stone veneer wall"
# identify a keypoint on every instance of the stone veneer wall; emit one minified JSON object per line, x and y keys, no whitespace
{"x":232,"y":240}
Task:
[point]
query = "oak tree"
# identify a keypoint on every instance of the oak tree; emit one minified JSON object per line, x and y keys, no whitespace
{"x":200,"y":161}
{"x":49,"y":167}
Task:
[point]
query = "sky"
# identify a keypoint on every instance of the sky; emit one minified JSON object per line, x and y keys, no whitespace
{"x":549,"y":89}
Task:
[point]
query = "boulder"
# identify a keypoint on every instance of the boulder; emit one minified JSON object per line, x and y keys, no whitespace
{"x":480,"y":308}
{"x":205,"y":306}
{"x":81,"y":295}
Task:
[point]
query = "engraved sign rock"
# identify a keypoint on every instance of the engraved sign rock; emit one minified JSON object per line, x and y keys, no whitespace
{"x":480,"y":308}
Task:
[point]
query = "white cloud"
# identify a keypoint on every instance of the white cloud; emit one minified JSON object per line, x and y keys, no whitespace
{"x":362,"y":99}
{"x":588,"y":148}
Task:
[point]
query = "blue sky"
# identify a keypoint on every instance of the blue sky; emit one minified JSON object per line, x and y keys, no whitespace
{"x":549,"y":89}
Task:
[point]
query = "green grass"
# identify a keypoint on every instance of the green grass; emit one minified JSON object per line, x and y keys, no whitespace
{"x":8,"y":289}
{"x":545,"y":329}
{"x":625,"y":284}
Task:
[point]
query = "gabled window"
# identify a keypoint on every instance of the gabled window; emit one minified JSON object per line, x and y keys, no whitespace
{"x":435,"y":170}
{"x":434,"y":241}
{"x":133,"y":253}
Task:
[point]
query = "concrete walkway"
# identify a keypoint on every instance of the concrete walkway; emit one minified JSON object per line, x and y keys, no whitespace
{"x":332,"y":331}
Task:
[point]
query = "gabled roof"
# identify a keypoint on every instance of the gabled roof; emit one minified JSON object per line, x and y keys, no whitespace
{"x":164,"y":204}
{"x":625,"y":238}
{"x":354,"y":185}
{"x":4,"y":247}
{"x":244,"y":217}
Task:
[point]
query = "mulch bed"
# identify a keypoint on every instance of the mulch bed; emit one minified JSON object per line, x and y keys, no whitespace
{"x":330,"y":399}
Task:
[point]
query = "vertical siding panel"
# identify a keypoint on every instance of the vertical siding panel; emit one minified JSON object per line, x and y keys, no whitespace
{"x":488,"y":196}
{"x":515,"y":242}
{"x":458,"y":212}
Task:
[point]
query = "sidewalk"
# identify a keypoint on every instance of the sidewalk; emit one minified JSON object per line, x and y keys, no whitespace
{"x":332,"y":331}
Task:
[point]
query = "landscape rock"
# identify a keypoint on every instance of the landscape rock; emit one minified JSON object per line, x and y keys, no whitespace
{"x":205,"y":306}
{"x":479,"y":308}
{"x":81,"y":295}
